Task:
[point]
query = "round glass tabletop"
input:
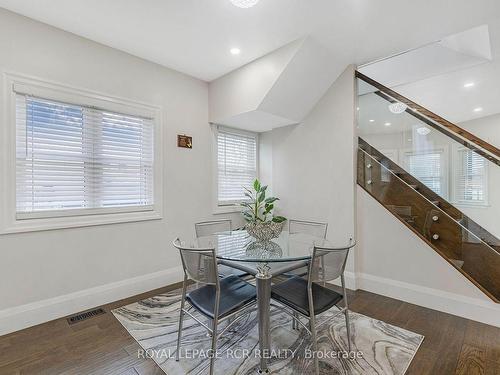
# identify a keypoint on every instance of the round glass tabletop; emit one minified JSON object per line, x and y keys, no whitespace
{"x":240,"y":246}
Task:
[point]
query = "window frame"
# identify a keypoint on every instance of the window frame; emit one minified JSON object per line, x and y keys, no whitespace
{"x":456,"y":160}
{"x":219,"y":208}
{"x":10,"y":221}
{"x":444,"y":176}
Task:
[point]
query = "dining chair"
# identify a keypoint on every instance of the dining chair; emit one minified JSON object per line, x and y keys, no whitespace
{"x":306,"y":298}
{"x":219,"y":299}
{"x":312,"y":228}
{"x":209,"y":228}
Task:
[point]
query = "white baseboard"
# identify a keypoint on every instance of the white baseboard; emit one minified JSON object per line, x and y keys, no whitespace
{"x":24,"y":316}
{"x":350,"y":281}
{"x":471,"y":308}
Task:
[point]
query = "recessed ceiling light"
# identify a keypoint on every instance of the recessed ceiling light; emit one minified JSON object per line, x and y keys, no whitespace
{"x":357,"y":108}
{"x":469,"y":84}
{"x":371,"y":120}
{"x":397,"y":107}
{"x":244,"y":3}
{"x":478,"y":109}
{"x":387,"y":124}
{"x":423,"y":130}
{"x":235,"y":51}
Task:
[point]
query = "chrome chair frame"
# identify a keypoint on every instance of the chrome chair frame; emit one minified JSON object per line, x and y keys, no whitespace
{"x":242,"y":311}
{"x":296,"y":315}
{"x":229,"y":266}
{"x":291,"y":222}
{"x":201,"y":224}
{"x":305,"y":222}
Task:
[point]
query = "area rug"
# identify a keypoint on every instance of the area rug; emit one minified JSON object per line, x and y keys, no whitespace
{"x":377,"y":347}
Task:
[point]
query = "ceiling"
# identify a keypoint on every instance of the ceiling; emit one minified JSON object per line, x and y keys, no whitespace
{"x":446,"y":95}
{"x":195,"y":36}
{"x":437,"y":83}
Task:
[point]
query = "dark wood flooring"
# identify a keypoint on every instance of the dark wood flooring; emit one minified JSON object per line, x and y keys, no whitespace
{"x":101,"y":346}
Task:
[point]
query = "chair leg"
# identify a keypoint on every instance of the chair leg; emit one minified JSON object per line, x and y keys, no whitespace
{"x":312,"y":327}
{"x":214,"y":345}
{"x":348,"y":329}
{"x":181,"y":316}
{"x":209,"y":322}
{"x":323,"y":271}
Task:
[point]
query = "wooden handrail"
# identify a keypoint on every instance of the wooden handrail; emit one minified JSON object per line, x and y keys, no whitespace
{"x":446,"y":127}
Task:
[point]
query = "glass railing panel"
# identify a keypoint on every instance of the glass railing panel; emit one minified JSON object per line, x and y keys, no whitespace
{"x":465,"y":178}
{"x":463,"y":249}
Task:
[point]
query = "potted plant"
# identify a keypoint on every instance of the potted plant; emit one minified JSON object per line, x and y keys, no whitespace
{"x":261,"y":223}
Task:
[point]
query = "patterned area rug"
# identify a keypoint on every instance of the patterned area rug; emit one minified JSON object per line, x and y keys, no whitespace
{"x":377,"y":347}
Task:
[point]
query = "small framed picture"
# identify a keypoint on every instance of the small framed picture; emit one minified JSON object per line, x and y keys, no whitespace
{"x":184,"y":141}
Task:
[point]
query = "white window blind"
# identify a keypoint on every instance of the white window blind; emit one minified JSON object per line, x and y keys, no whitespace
{"x":428,"y":168}
{"x":236,"y":164}
{"x":471,"y":181}
{"x":72,"y":157}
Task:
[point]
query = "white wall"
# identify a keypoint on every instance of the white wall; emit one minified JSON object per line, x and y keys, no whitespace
{"x":243,"y":90}
{"x":266,"y":160}
{"x":48,"y":274}
{"x":276,"y":90}
{"x":313,"y":163}
{"x":393,"y":261}
{"x":486,"y":128}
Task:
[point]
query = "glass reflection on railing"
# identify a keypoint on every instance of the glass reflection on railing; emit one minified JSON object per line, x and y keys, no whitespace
{"x":461,"y":247}
{"x":445,"y":165}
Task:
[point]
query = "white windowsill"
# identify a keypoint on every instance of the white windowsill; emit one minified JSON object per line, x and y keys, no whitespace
{"x":52,"y":223}
{"x":471,"y":205}
{"x":46,"y":214}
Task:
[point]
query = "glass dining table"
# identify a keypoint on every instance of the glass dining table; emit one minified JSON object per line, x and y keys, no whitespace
{"x":263,"y":260}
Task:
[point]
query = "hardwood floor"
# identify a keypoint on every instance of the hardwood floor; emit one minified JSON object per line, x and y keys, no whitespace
{"x":101,"y":346}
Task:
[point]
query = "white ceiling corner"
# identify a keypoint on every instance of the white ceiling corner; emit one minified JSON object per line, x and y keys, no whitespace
{"x":474,"y":42}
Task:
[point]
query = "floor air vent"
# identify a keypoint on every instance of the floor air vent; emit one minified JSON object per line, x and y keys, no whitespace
{"x":85,"y":315}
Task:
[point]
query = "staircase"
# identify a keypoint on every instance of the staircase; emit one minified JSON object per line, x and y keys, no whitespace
{"x":409,"y":171}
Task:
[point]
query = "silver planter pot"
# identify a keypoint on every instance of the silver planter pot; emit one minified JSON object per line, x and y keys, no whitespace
{"x":264,"y":231}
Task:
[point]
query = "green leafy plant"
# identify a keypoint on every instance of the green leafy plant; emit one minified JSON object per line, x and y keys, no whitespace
{"x":259,"y":208}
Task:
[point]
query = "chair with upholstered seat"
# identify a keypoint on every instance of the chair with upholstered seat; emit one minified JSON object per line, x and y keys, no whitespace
{"x":306,"y":298}
{"x":219,"y":299}
{"x":212,"y":227}
{"x":208,"y":228}
{"x":312,"y":228}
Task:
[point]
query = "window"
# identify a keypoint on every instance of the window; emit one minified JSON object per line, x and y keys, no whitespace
{"x":236,"y":164}
{"x":428,"y":167}
{"x":71,"y":157}
{"x":77,"y":158}
{"x":471,"y":178}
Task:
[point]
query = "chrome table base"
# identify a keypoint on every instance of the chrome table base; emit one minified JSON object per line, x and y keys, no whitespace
{"x":263,"y":281}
